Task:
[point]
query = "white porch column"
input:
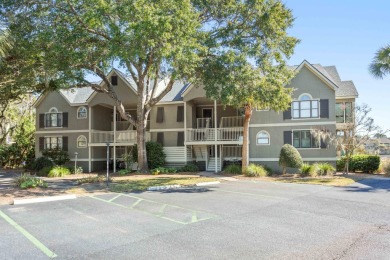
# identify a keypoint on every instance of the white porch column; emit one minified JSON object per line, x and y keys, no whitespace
{"x":215,"y":136}
{"x":114,"y":145}
{"x":89,"y":139}
{"x":185,"y":133}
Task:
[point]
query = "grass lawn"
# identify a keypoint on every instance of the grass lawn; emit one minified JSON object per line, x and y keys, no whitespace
{"x":330,"y":181}
{"x":142,"y":185}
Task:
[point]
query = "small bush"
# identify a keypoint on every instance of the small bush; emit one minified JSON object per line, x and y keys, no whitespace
{"x":189,"y":168}
{"x":255,"y":170}
{"x":386,"y":168}
{"x":305,"y":170}
{"x":78,"y":170}
{"x":41,"y":163}
{"x":159,"y":170}
{"x":124,"y":172}
{"x":58,"y":156}
{"x":154,"y":152}
{"x":361,"y":162}
{"x":44,"y":172}
{"x":233,"y":169}
{"x":58,"y":171}
{"x":289,"y":157}
{"x":325,"y":169}
{"x":26,"y":181}
{"x":92,"y":179}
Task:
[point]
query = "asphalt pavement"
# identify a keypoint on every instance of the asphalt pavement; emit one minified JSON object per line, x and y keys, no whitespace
{"x":232,"y":220}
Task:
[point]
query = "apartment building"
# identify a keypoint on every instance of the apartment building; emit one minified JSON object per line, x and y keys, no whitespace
{"x":194,"y":128}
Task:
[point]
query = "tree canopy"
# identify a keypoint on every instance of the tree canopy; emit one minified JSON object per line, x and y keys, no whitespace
{"x":380,"y":65}
{"x":236,"y":49}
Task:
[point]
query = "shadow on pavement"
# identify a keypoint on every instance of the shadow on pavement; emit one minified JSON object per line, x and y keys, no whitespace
{"x":369,"y":185}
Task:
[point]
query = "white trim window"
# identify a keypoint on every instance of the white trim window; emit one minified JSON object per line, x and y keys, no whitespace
{"x":305,"y":107}
{"x":82,"y":112}
{"x":53,"y":118}
{"x":304,"y":139}
{"x":344,"y":112}
{"x":53,"y":142}
{"x":263,"y":138}
{"x":81,"y":141}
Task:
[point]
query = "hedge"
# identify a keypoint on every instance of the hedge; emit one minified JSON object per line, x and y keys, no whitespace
{"x":360,"y":163}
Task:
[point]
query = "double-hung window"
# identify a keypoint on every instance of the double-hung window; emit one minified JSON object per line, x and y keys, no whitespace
{"x":344,"y":112}
{"x":305,"y":107}
{"x":53,"y":118}
{"x":53,"y":142}
{"x":304,"y":139}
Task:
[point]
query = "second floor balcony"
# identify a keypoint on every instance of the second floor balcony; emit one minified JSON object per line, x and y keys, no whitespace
{"x":128,"y":137}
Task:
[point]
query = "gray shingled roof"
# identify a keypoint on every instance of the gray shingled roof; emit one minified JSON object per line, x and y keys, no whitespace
{"x":175,"y":93}
{"x":77,"y":95}
{"x":344,"y":88}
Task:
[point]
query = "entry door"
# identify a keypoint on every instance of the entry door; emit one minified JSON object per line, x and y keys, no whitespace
{"x":208,"y":113}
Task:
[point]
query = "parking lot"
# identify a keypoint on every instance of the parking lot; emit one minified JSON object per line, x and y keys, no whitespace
{"x":232,"y":220}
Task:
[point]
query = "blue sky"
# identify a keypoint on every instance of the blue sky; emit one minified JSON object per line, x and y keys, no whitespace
{"x":346,"y":34}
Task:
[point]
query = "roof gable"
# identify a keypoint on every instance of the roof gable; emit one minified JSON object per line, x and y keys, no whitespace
{"x":324,"y":76}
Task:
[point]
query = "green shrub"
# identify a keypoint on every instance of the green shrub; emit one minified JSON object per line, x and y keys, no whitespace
{"x":189,"y":168}
{"x":58,"y":171}
{"x":155,"y":154}
{"x":305,"y":170}
{"x":325,"y":169}
{"x":44,"y":172}
{"x":26,"y":181}
{"x":159,"y":170}
{"x":78,"y":170}
{"x":233,"y":169}
{"x":340,"y":164}
{"x":289,"y":157}
{"x":92,"y":179}
{"x":124,"y":172}
{"x":255,"y":170}
{"x":41,"y":163}
{"x":58,"y":156}
{"x":361,"y":162}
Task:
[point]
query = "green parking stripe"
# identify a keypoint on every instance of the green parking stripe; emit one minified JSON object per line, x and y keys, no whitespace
{"x":30,"y":237}
{"x":115,"y":197}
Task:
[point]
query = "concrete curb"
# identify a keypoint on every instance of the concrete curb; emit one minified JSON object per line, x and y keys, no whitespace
{"x":43,"y":199}
{"x":207,"y":183}
{"x":166,"y":187}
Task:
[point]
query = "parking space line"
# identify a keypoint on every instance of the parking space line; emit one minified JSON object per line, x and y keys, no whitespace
{"x":115,"y":198}
{"x":30,"y":237}
{"x":160,"y":212}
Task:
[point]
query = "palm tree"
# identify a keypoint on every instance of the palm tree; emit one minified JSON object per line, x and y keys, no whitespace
{"x":380,"y":65}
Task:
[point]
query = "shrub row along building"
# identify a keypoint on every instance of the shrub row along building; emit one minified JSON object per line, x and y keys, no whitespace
{"x":193,"y":128}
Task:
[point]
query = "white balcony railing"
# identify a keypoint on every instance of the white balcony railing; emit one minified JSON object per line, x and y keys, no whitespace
{"x":208,"y":134}
{"x":231,"y":121}
{"x":120,"y":136}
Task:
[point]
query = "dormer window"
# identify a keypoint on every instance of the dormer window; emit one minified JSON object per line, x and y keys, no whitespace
{"x":114,"y":80}
{"x":305,"y":107}
{"x":82,"y":112}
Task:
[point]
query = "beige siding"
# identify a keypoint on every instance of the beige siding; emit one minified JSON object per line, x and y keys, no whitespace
{"x":72,"y":144}
{"x":304,"y":82}
{"x":170,"y":118}
{"x":55,"y":99}
{"x":277,"y":141}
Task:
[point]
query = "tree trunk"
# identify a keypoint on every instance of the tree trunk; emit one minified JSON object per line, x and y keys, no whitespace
{"x":346,"y":166}
{"x":141,"y":145}
{"x":245,"y":142}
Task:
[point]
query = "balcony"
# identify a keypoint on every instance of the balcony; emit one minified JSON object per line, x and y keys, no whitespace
{"x":127,"y":137}
{"x":231,"y":135}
